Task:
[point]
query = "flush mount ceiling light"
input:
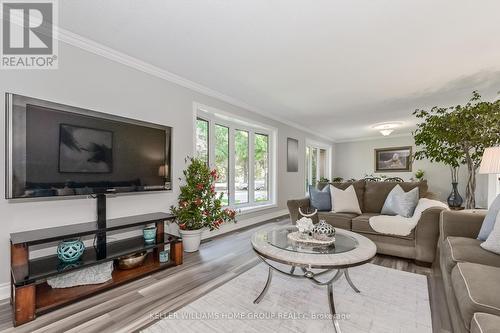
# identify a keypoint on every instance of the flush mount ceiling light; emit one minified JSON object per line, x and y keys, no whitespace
{"x":386,"y":132}
{"x":387,"y":128}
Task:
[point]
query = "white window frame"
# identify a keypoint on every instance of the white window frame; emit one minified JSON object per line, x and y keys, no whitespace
{"x":317,"y":146}
{"x":215,"y":116}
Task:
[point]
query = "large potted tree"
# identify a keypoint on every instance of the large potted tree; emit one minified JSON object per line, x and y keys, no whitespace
{"x":458,"y":135}
{"x":199,"y":206}
{"x":435,"y":143}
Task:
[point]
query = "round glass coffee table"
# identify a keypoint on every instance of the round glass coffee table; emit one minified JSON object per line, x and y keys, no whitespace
{"x":350,"y":249}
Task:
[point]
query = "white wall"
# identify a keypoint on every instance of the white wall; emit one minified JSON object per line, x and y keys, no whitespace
{"x":90,"y":81}
{"x":355,"y":159}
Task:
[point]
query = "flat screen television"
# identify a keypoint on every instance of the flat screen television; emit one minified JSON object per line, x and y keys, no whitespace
{"x":59,"y":150}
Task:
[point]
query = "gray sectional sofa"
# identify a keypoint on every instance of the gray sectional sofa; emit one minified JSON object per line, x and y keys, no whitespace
{"x":420,"y":245}
{"x":471,"y":275}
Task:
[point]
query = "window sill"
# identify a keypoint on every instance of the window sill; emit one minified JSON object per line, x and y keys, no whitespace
{"x":253,"y":209}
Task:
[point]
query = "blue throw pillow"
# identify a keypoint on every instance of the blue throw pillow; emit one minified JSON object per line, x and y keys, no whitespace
{"x":320,"y":200}
{"x":489,"y":220}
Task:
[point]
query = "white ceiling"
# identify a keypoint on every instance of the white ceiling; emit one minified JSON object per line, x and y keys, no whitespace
{"x":336,"y":67}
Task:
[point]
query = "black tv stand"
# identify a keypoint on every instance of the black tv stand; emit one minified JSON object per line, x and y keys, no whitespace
{"x":101,"y":211}
{"x":100,"y":235}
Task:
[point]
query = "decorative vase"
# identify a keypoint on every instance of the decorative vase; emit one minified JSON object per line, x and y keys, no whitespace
{"x":455,"y":200}
{"x":70,"y":250}
{"x":304,"y":225}
{"x":149,"y":234}
{"x":191,"y":239}
{"x":323,"y":231}
{"x":164,"y":256}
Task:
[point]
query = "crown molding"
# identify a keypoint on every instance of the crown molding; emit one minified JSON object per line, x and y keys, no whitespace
{"x":371,"y":138}
{"x":94,"y":47}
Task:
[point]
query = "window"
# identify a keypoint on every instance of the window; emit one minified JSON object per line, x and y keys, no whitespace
{"x":317,"y":163}
{"x":241,"y":152}
{"x":314,"y":166}
{"x":308,"y":167}
{"x":202,"y":139}
{"x":222,"y":161}
{"x":241,"y":176}
{"x":261,"y":169}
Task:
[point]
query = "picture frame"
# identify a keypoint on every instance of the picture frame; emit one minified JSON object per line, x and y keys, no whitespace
{"x":393,"y":159}
{"x":292,"y":155}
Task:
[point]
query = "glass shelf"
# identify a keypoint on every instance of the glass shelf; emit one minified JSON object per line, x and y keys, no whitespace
{"x":42,"y":268}
{"x":46,"y":235}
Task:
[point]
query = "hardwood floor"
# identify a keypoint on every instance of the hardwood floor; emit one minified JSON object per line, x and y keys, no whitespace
{"x":131,"y":307}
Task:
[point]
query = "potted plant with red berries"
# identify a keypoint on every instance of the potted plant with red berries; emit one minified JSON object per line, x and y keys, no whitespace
{"x":199,"y":206}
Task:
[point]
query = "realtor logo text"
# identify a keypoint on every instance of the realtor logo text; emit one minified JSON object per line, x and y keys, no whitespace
{"x":28,"y":35}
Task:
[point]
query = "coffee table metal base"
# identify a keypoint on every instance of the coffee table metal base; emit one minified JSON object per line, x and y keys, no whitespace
{"x":310,"y":275}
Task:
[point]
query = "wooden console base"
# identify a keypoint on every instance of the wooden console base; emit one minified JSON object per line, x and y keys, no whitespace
{"x":37,"y":298}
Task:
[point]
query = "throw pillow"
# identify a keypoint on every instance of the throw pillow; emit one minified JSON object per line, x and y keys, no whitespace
{"x":344,"y":201}
{"x":492,"y":243}
{"x":320,"y":200}
{"x":489,"y":220}
{"x":401,"y":203}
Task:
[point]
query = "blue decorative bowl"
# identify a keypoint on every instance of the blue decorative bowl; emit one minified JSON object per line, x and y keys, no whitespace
{"x":149,"y":235}
{"x":70,"y":250}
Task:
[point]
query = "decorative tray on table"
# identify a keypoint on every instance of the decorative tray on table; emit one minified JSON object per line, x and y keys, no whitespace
{"x":300,"y":237}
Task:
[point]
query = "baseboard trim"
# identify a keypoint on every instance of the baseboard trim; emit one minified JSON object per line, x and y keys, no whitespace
{"x":4,"y":291}
{"x":225,"y":228}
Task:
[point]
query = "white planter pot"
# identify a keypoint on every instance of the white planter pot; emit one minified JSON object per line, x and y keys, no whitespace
{"x":191,"y":239}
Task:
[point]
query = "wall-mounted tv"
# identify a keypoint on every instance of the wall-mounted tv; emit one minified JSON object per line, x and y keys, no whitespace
{"x":59,"y":150}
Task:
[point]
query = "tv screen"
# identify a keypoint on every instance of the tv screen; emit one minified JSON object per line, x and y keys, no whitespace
{"x":59,"y":150}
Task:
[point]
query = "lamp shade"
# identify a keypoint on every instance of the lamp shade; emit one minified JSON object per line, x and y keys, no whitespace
{"x":491,"y":161}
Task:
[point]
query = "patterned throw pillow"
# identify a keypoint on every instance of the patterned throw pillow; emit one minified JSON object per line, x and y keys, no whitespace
{"x":492,"y":243}
{"x":489,"y":220}
{"x":401,"y":203}
{"x":320,"y":200}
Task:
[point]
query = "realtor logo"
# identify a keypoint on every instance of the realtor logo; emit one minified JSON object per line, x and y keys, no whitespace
{"x":28,"y":34}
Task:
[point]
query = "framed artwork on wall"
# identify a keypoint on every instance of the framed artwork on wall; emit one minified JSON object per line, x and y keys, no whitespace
{"x":292,"y":155}
{"x":85,"y":150}
{"x":395,"y":159}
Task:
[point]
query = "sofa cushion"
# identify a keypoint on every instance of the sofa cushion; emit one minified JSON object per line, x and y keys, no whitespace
{"x":361,"y":224}
{"x":462,"y":249}
{"x":476,"y":289}
{"x":338,"y":220}
{"x":484,"y":323}
{"x":359,"y":187}
{"x":376,"y":193}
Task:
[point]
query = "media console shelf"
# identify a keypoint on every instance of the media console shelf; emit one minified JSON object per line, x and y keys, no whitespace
{"x":30,"y":293}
